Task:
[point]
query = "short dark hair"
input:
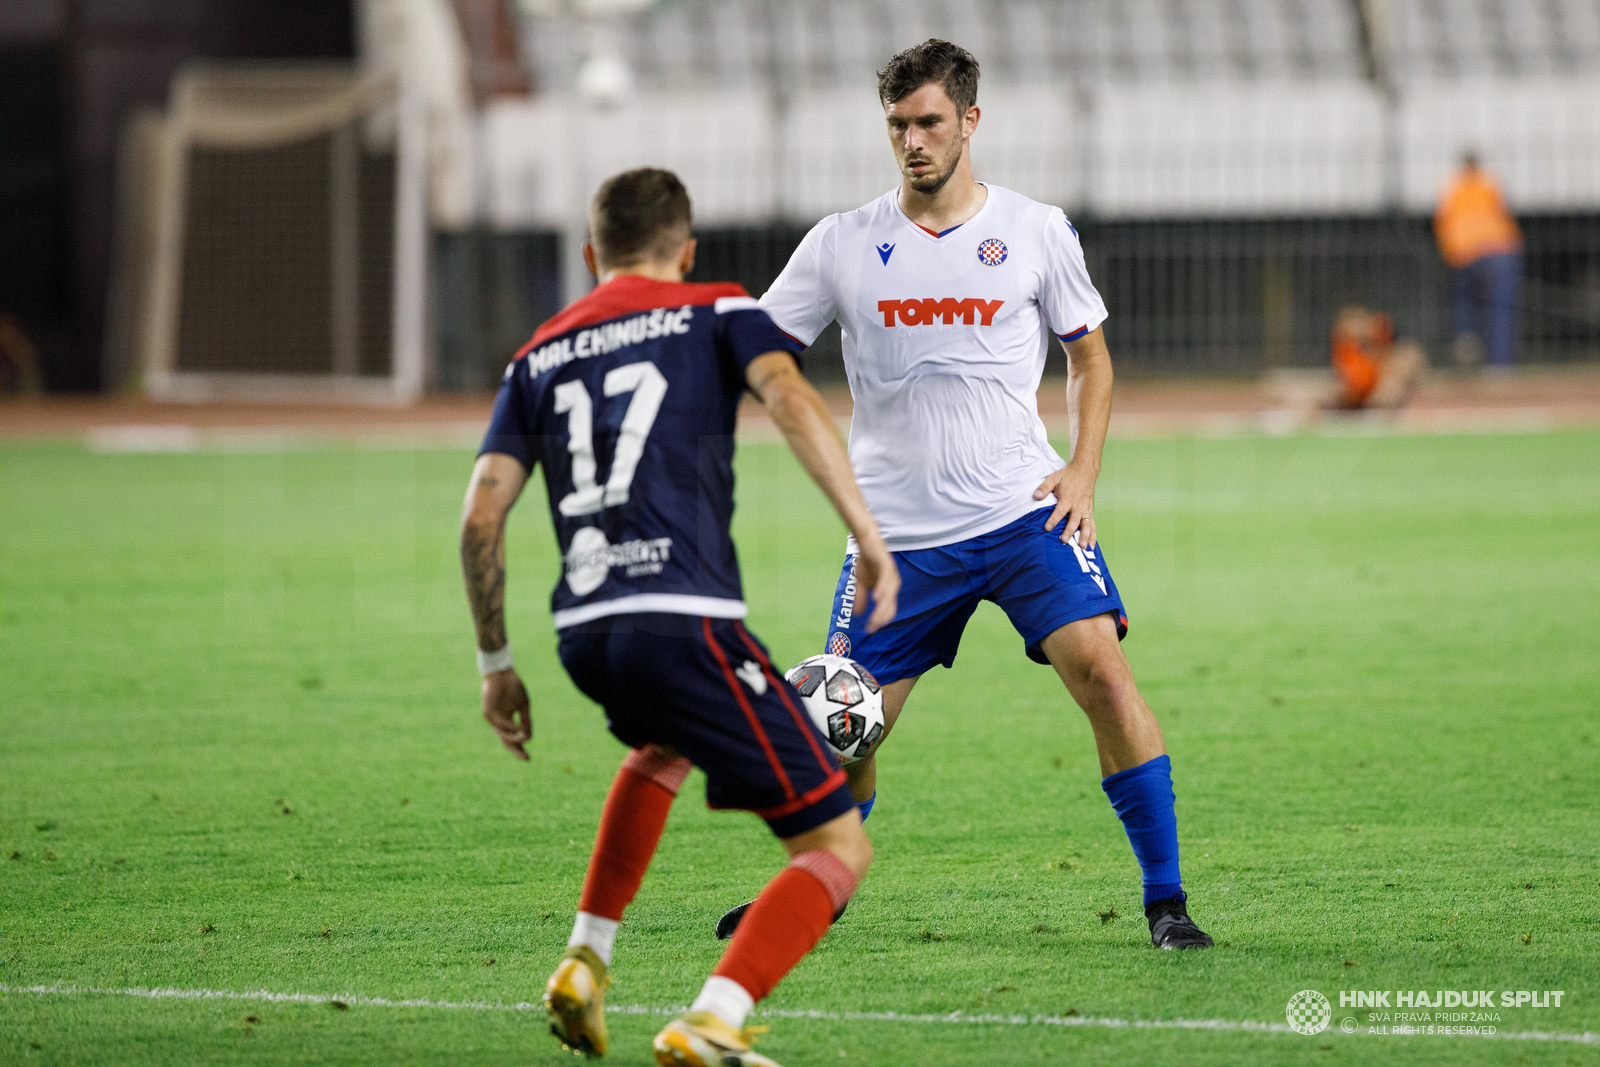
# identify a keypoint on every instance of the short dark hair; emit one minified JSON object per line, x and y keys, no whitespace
{"x":932,"y":61}
{"x":639,"y":214}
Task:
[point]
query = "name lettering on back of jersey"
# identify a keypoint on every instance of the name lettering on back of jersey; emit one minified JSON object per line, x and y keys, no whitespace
{"x":931,"y":311}
{"x":885,"y":250}
{"x":610,"y":337}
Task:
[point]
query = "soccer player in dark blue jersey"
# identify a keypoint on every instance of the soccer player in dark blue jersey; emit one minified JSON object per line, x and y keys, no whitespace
{"x":628,"y":399}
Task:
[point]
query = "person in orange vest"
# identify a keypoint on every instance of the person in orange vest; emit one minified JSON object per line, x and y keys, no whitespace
{"x":1374,"y":370}
{"x":1482,"y":246}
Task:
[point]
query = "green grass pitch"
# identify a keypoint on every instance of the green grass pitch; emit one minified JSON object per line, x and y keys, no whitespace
{"x":240,"y":750}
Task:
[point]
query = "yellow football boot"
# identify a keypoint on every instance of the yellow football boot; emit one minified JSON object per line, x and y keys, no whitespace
{"x":700,"y":1039}
{"x":575,"y":997}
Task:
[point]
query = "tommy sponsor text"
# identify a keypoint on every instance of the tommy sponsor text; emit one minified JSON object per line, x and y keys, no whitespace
{"x":930,"y":310}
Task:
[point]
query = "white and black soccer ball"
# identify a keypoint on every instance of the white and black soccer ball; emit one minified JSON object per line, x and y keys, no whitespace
{"x":845,"y":701}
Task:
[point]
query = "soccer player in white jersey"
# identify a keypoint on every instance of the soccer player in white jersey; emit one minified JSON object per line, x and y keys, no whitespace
{"x":942,"y":287}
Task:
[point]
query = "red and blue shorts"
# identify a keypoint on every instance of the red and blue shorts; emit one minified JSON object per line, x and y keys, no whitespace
{"x":707,"y":688}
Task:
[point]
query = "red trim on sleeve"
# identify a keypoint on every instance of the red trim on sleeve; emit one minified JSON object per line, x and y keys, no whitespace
{"x":622,"y":295}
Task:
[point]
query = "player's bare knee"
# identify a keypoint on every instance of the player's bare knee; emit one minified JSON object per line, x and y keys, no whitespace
{"x":854,"y":850}
{"x":841,"y":836}
{"x":662,"y":752}
{"x":660,"y":764}
{"x":1110,"y":673}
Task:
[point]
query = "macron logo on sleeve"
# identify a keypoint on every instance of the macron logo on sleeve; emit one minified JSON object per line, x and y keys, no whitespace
{"x":931,"y":310}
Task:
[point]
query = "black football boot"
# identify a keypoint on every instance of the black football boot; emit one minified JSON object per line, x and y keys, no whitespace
{"x":730,"y":922}
{"x":1170,"y":925}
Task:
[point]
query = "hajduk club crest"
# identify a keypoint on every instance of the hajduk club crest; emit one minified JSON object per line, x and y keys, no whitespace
{"x":992,"y":252}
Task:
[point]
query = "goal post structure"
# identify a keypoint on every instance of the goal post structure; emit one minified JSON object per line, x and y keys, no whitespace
{"x":289,"y":251}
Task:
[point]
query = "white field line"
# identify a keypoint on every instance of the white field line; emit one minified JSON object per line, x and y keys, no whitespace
{"x":182,"y":439}
{"x":758,"y":429}
{"x":353,"y":1000}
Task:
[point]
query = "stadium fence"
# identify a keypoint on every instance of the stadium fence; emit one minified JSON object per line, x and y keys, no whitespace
{"x":1233,"y":297}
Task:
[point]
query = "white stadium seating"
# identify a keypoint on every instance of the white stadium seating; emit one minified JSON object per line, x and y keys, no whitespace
{"x":1539,"y":135}
{"x":1233,"y":148}
{"x":1120,"y":108}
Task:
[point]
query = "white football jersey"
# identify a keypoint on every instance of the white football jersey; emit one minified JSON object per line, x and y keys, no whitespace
{"x":944,"y":348}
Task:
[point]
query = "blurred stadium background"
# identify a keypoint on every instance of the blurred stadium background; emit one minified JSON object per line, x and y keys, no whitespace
{"x":377,"y":199}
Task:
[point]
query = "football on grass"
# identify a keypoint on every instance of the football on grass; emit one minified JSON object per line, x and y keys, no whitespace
{"x":845,"y":701}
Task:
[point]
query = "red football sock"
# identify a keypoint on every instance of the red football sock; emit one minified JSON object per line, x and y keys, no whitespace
{"x":786,"y":921}
{"x":630,"y":828}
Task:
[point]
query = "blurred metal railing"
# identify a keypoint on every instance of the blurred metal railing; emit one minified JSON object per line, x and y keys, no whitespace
{"x":1242,"y":297}
{"x":1186,"y":297}
{"x":1239,"y":297}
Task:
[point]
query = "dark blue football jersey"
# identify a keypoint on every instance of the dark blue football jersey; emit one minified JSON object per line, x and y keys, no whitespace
{"x":628,"y":398}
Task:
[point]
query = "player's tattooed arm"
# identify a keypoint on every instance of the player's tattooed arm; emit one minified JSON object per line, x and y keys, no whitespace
{"x":809,"y":429}
{"x":496,"y":482}
{"x":483,"y":562}
{"x":1088,"y":415}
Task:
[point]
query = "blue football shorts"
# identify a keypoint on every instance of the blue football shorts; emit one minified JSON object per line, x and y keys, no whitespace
{"x":1040,"y":583}
{"x":708,"y":688}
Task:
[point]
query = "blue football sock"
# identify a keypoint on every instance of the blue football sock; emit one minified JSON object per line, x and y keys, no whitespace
{"x":1143,"y":799}
{"x":865,"y":806}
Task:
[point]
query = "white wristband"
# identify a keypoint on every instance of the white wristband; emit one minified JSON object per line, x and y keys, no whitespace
{"x":490,"y":662}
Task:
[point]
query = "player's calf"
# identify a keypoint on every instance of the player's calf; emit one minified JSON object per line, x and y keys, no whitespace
{"x":789,"y":917}
{"x":1138,"y":772}
{"x":630,"y":828}
{"x":728,"y":925}
{"x":779,"y":927}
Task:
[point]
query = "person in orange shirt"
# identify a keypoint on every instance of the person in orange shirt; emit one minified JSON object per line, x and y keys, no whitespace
{"x":1374,"y":370}
{"x":1482,"y":246}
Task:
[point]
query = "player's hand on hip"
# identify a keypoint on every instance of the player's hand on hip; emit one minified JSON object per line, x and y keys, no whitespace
{"x":505,"y":706}
{"x":876,"y":571}
{"x":1074,"y":510}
